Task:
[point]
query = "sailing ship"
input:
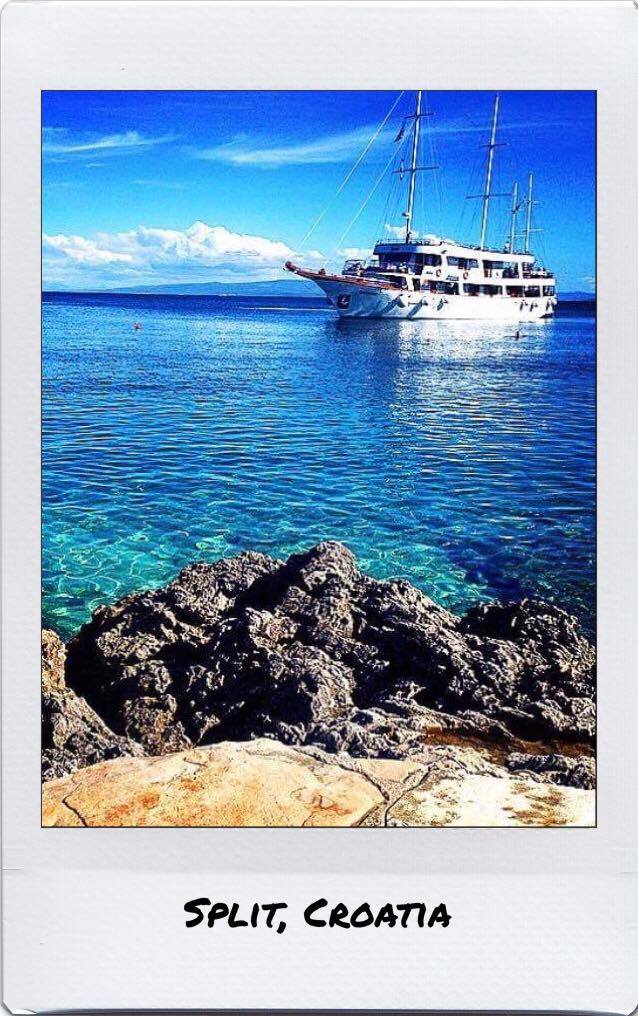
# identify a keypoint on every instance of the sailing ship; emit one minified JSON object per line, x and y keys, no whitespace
{"x":432,"y":277}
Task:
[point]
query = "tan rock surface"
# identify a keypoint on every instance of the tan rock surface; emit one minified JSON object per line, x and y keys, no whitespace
{"x":486,"y":800}
{"x":255,"y":783}
{"x":53,"y":657}
{"x":265,"y":783}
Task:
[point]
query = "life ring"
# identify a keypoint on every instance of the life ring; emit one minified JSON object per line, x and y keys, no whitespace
{"x":438,"y":273}
{"x":466,"y":275}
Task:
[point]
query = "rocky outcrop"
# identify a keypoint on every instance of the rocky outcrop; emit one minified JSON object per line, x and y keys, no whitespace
{"x":564,"y":770}
{"x":52,"y":663}
{"x":262,"y":783}
{"x":73,"y":735}
{"x":311,"y":652}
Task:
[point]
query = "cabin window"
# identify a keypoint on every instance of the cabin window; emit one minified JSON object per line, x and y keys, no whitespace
{"x":492,"y":290}
{"x":492,"y":266}
{"x":449,"y":288}
{"x":421,"y":261}
{"x":416,"y":262}
{"x":532,"y":290}
{"x":510,"y":270}
{"x":471,"y":289}
{"x":515,"y":291}
{"x":417,"y":285}
{"x":549,"y":290}
{"x":463,"y":263}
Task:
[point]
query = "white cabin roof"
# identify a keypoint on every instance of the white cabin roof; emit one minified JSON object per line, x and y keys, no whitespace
{"x":436,"y":245}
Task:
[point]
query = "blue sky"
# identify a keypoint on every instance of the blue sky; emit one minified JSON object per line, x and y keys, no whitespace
{"x":162,"y":187}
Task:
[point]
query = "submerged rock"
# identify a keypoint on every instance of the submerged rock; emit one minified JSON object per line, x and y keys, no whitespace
{"x":73,"y":735}
{"x":262,"y":783}
{"x":312,"y":652}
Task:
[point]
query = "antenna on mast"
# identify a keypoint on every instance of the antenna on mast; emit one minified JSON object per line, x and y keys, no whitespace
{"x":413,"y":166}
{"x":528,"y":218}
{"x":488,"y":172}
{"x":516,"y":207}
{"x":488,"y":193}
{"x":417,"y":116}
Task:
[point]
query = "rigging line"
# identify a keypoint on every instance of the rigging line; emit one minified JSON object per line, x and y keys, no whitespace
{"x":437,"y":178}
{"x":473,"y":184}
{"x":384,"y":217}
{"x":353,"y":168}
{"x":394,"y":192}
{"x":389,"y":214}
{"x":362,"y":207}
{"x":434,"y":158}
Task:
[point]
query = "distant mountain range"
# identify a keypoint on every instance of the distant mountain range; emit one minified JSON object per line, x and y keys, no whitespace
{"x":276,"y":287}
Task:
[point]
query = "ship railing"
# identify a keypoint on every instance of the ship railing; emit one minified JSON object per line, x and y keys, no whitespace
{"x":421,"y":241}
{"x":354,"y":267}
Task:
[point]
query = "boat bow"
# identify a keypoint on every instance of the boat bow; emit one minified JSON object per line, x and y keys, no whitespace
{"x":321,"y":275}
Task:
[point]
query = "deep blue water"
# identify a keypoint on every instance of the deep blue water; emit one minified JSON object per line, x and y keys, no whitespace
{"x":456,"y":456}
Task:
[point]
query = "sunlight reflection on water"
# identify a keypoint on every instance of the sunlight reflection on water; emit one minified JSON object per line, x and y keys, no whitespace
{"x":452,"y":454}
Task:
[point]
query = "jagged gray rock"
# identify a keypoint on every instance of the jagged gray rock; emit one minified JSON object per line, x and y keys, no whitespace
{"x":564,"y":770}
{"x":73,"y":735}
{"x":312,"y":652}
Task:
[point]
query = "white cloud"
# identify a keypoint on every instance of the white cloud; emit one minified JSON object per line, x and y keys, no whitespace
{"x":354,"y":253}
{"x":343,"y":146}
{"x":330,"y":148}
{"x":81,"y":251}
{"x":394,"y":230}
{"x":57,"y":141}
{"x":149,"y":255}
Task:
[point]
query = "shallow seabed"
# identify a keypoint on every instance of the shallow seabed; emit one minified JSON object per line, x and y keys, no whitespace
{"x":451,"y":454}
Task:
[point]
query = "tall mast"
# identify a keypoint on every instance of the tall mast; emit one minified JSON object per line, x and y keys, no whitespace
{"x":413,"y":167}
{"x":513,"y":218}
{"x":488,"y":173}
{"x":528,"y":217}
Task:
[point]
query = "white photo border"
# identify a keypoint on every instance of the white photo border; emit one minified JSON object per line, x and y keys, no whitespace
{"x":542,"y":919}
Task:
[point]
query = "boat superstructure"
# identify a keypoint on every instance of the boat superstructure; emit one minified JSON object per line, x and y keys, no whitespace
{"x":433,"y":277}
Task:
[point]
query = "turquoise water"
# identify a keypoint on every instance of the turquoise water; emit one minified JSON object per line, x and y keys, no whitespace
{"x":453,"y":455}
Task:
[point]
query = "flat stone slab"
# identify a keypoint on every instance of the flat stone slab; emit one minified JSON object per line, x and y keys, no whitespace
{"x":254,"y":783}
{"x":486,"y":800}
{"x":265,"y":783}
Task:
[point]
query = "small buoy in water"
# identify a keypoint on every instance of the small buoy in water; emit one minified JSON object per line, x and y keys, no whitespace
{"x":518,"y":333}
{"x":137,"y":326}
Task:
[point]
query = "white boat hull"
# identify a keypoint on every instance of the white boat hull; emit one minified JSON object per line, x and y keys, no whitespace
{"x":355,"y":301}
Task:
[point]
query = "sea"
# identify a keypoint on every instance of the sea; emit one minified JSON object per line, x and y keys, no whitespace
{"x":460,"y":456}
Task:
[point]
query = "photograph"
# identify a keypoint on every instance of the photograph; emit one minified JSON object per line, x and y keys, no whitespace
{"x":318,"y":458}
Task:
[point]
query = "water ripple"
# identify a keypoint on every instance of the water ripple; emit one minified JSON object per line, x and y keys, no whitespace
{"x":452,"y":454}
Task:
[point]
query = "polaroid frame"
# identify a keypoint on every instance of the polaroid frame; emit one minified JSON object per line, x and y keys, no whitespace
{"x":542,"y":919}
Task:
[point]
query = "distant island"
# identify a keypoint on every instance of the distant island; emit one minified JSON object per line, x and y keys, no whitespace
{"x":273,"y":287}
